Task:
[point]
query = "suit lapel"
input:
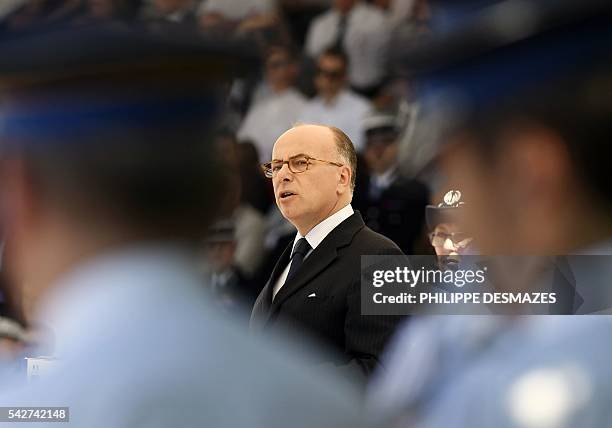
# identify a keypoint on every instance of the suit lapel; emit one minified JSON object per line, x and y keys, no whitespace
{"x":262,"y":305}
{"x":321,"y":257}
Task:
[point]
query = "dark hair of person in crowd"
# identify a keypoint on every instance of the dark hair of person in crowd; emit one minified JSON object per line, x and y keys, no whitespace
{"x":337,"y":53}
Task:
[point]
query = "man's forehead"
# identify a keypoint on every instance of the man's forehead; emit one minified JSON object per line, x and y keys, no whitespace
{"x":314,"y":140}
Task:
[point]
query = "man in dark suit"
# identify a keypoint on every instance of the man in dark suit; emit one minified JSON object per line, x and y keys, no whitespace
{"x":315,"y":286}
{"x":392,"y":204}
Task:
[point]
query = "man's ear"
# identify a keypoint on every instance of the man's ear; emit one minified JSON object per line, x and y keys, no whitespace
{"x":345,"y":179}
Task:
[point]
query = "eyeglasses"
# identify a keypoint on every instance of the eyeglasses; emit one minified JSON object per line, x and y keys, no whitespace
{"x":459,"y":240}
{"x":296,"y":164}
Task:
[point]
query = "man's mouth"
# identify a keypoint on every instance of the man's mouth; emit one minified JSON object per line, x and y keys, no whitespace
{"x":286,"y":194}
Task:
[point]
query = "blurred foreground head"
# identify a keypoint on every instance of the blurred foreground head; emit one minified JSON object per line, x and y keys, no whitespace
{"x":523,"y":94}
{"x":106,"y":143}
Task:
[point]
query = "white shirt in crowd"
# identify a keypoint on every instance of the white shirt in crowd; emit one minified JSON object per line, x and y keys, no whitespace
{"x":346,"y":112}
{"x":316,"y":235}
{"x":400,"y":11}
{"x":366,"y":41}
{"x":236,"y":10}
{"x":138,"y":345}
{"x":269,"y":118}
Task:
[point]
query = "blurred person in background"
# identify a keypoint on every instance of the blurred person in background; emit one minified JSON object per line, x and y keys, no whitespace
{"x":335,"y":103}
{"x":315,"y":286}
{"x":532,"y":154}
{"x":231,"y":289}
{"x":101,"y":10}
{"x":408,"y":16}
{"x":248,"y":222}
{"x":109,"y":183}
{"x":299,"y":14}
{"x":276,"y":106}
{"x":32,"y":14}
{"x":256,"y":189}
{"x":392,"y":204}
{"x":363,"y":32}
{"x":174,"y":11}
{"x":258,"y":19}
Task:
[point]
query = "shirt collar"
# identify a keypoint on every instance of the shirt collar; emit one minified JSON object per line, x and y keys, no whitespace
{"x":318,"y":233}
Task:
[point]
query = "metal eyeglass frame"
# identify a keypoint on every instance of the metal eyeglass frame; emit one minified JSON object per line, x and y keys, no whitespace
{"x":269,"y":173}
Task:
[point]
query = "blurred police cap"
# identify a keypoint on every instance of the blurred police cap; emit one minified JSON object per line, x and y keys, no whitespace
{"x":71,"y":81}
{"x":117,"y":122}
{"x":510,"y":53}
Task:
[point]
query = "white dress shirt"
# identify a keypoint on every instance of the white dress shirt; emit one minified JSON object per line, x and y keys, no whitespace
{"x":366,"y":41}
{"x":268,"y":119}
{"x":316,"y":235}
{"x":346,"y":112}
{"x":140,"y":346}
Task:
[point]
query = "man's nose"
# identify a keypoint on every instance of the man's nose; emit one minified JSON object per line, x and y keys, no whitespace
{"x":284,"y":174}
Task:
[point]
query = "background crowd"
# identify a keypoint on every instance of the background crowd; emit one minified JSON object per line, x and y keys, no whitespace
{"x":330,"y":62}
{"x":322,"y":62}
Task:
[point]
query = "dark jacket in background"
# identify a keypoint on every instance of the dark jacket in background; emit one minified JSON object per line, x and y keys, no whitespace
{"x":397,"y":212}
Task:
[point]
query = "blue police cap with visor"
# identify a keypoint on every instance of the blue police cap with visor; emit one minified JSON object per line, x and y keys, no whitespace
{"x":76,"y":84}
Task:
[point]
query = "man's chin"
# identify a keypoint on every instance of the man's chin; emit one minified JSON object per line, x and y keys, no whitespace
{"x":290,"y":213}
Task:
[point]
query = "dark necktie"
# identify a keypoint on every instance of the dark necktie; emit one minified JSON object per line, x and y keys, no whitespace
{"x":297,"y":257}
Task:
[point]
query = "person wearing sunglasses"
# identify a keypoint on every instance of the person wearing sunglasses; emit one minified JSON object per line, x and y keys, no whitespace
{"x":335,"y":103}
{"x":315,"y":285}
{"x":276,"y":103}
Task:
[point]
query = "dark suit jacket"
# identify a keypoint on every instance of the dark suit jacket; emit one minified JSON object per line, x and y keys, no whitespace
{"x":397,"y":213}
{"x":332,"y":272}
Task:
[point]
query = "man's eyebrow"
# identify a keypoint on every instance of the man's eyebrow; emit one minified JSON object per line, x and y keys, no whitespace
{"x":291,"y":157}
